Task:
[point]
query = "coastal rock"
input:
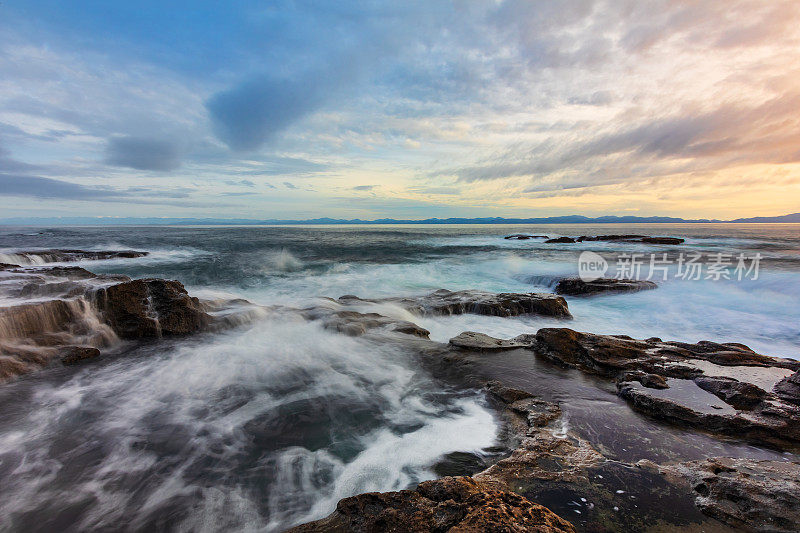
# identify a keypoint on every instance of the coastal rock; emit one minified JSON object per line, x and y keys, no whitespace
{"x":608,"y":355}
{"x":788,"y":389}
{"x":481,"y":342}
{"x":71,"y":355}
{"x":524,"y":236}
{"x":355,"y":324}
{"x":745,"y":493}
{"x":444,"y":302}
{"x":37,"y":257}
{"x":579,"y":287}
{"x":452,"y":504}
{"x":145,"y":308}
{"x":740,"y":395}
{"x":631,"y":238}
{"x":560,"y":240}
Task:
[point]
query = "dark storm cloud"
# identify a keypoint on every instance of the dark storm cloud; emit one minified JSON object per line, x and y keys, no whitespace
{"x":142,"y":153}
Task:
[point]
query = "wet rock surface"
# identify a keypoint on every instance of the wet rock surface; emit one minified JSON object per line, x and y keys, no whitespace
{"x":788,"y":389}
{"x":445,"y":302}
{"x":645,"y":239}
{"x":69,"y":314}
{"x":478,"y":341}
{"x":579,"y":287}
{"x":34,"y":257}
{"x":146,"y":308}
{"x":524,"y":236}
{"x":451,"y":504}
{"x":747,"y":494}
{"x":631,"y":238}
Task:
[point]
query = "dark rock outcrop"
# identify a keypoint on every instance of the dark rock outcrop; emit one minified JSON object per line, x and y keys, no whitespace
{"x":71,"y":355}
{"x":740,"y":395}
{"x":146,"y":308}
{"x":579,"y":287}
{"x":560,"y":240}
{"x":744,"y":493}
{"x":632,"y":238}
{"x":451,"y":504}
{"x":788,"y":389}
{"x":444,"y":302}
{"x":524,"y":236}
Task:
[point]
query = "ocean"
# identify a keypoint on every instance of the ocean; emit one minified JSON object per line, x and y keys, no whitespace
{"x":268,"y":425}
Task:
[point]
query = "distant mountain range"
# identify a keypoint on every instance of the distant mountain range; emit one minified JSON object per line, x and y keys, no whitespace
{"x":568,"y":219}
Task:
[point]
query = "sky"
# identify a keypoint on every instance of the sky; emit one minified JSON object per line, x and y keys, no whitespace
{"x":372,"y":109}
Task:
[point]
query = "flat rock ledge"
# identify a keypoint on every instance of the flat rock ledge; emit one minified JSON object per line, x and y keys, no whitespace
{"x":450,"y":504}
{"x":722,"y":388}
{"x":645,"y":239}
{"x":445,"y":302}
{"x":36,"y":257}
{"x":744,"y":493}
{"x":579,"y":287}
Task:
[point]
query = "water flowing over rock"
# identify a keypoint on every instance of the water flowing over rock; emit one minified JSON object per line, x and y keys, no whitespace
{"x":445,"y":302}
{"x":579,"y":287}
{"x":40,"y":257}
{"x":480,"y":341}
{"x":451,"y":504}
{"x":146,"y":308}
{"x":69,"y":314}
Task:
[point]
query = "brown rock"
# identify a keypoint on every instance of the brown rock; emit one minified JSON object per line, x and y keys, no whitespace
{"x":561,"y":240}
{"x":145,"y":308}
{"x":788,"y":388}
{"x":71,"y":355}
{"x":451,"y":504}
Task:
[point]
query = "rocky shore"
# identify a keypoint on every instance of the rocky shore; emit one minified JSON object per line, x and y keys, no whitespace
{"x":553,"y":478}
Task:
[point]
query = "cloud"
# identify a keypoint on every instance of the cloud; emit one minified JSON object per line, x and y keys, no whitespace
{"x":436,"y":190}
{"x":243,"y":183}
{"x":38,"y":187}
{"x":142,"y":153}
{"x":290,"y":185}
{"x":364,"y":187}
{"x":252,"y":113}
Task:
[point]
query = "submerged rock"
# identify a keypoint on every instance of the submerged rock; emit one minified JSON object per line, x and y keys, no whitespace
{"x":479,"y":341}
{"x":444,"y":302}
{"x":579,"y":287}
{"x":452,"y":504}
{"x":745,"y":493}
